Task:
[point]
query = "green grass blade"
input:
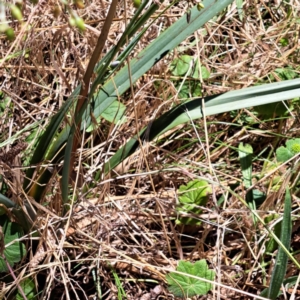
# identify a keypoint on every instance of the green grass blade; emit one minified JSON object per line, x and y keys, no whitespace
{"x":67,"y":154}
{"x":135,"y":24}
{"x":159,"y":48}
{"x":282,"y":257}
{"x":192,"y":110}
{"x":47,"y":137}
{"x":239,"y":6}
{"x":7,"y":202}
{"x":101,"y":69}
{"x":288,"y":283}
{"x":121,"y":292}
{"x":261,"y":220}
{"x":254,"y":96}
{"x":18,"y":212}
{"x":245,"y":155}
{"x":20,"y":133}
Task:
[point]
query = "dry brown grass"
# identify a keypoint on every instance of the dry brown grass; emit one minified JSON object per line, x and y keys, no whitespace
{"x":126,"y":221}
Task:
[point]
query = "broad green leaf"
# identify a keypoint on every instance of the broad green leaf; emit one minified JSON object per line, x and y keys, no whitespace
{"x":189,"y":89}
{"x":14,"y":252}
{"x":292,"y":148}
{"x":283,"y":154}
{"x":293,"y":145}
{"x":258,"y":197}
{"x":191,"y":196}
{"x":115,"y":113}
{"x":181,"y":65}
{"x":195,"y":192}
{"x":29,"y":290}
{"x":184,"y":286}
{"x":204,"y":74}
{"x":4,"y":101}
{"x":187,"y":65}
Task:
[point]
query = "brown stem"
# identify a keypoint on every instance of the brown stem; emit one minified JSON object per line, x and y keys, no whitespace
{"x":89,"y":73}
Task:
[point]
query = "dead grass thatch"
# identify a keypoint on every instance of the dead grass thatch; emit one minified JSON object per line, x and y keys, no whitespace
{"x":124,"y":227}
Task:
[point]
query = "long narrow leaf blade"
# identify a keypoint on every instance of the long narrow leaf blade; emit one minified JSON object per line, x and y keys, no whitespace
{"x":192,"y":110}
{"x":19,"y":214}
{"x":47,"y":137}
{"x":147,"y":58}
{"x":172,"y":37}
{"x":282,"y":257}
{"x":7,"y":202}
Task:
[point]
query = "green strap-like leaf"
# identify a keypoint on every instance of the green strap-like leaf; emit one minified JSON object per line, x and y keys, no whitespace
{"x":67,"y":155}
{"x":7,"y":202}
{"x":245,"y":155}
{"x":282,"y":257}
{"x":147,"y":58}
{"x":166,"y":42}
{"x":192,"y":110}
{"x":20,"y":215}
{"x":47,"y":137}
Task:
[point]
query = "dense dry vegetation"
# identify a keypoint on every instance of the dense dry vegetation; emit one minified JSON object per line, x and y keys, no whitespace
{"x":120,"y":235}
